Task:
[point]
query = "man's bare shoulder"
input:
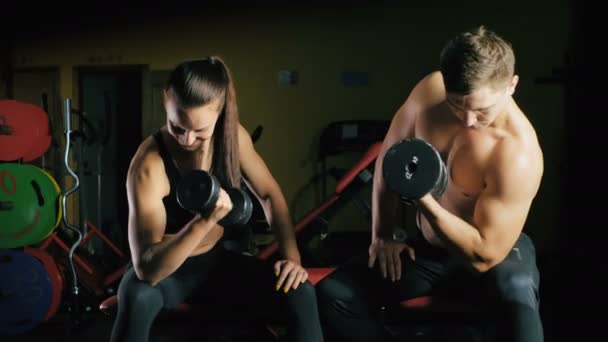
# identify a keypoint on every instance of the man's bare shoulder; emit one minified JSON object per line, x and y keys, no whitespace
{"x":518,"y":162}
{"x":427,"y":102}
{"x":429,"y":91}
{"x":427,"y":96}
{"x":522,"y":142}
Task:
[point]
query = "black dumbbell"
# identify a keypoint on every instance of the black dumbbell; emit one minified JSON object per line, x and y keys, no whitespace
{"x":413,"y":168}
{"x":198,"y":191}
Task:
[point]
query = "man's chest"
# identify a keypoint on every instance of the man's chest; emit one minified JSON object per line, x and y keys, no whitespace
{"x":466,"y":152}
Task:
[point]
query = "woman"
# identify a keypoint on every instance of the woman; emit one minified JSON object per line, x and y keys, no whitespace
{"x":178,"y":255}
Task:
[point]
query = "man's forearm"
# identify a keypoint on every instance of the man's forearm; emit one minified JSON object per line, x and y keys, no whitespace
{"x":384,"y":208}
{"x":455,"y":233}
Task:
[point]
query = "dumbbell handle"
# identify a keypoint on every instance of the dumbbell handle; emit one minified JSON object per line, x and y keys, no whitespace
{"x":199,"y":192}
{"x":413,"y":168}
{"x":242,"y":207}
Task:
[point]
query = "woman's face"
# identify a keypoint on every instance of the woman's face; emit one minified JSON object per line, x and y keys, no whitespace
{"x":191,"y":127}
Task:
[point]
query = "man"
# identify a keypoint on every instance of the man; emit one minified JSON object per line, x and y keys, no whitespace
{"x":469,"y":240}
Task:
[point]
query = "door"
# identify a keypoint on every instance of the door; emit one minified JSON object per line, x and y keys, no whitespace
{"x":110,"y":104}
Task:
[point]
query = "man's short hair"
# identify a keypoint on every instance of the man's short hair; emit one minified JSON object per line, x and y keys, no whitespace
{"x":476,"y":58}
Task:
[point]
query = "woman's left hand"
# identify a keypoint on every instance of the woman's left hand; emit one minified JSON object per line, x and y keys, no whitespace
{"x":291,"y":274}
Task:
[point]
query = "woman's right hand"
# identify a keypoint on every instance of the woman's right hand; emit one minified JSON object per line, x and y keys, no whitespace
{"x":222,"y":207}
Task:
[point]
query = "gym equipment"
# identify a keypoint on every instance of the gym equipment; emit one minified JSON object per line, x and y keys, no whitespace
{"x":434,"y":312}
{"x":74,"y":277}
{"x":29,"y":205}
{"x":198,"y":191}
{"x":26,"y":292}
{"x":432,"y":318}
{"x":91,"y":274}
{"x":347,"y":136}
{"x":348,"y":186}
{"x":352,"y":183}
{"x":81,"y":269}
{"x":24,"y":131}
{"x":257,"y":133}
{"x":54,"y":274}
{"x":413,"y":168}
{"x":84,"y":137}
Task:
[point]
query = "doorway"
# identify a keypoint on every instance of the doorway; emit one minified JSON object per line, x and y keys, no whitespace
{"x":110,"y":103}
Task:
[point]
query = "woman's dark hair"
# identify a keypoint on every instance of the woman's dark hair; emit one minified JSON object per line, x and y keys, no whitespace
{"x":198,"y":82}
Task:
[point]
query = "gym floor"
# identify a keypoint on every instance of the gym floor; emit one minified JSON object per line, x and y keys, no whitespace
{"x":97,"y":327}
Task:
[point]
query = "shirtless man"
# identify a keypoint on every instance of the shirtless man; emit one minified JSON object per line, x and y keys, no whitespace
{"x":179,"y":256}
{"x":470,"y":240}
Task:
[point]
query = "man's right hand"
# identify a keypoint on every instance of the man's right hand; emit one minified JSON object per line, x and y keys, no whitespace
{"x":388,"y":253}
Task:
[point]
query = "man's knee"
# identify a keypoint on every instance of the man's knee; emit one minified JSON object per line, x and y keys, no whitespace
{"x":341,"y":298}
{"x":515,"y":287}
{"x":329,"y":290}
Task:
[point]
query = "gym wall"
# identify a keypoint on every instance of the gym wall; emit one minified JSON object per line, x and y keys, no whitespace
{"x":357,"y":62}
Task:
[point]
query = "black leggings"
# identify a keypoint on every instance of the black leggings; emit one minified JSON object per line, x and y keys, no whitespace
{"x":349,"y":298}
{"x":230,"y":285}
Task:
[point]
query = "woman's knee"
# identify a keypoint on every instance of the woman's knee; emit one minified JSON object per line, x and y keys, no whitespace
{"x":137,"y":293}
{"x":305,"y":293}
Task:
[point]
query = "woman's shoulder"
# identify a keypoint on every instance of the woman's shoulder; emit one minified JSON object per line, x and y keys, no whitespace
{"x":146,"y":156}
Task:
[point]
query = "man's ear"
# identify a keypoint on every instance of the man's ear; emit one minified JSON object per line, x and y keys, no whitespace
{"x":513,"y":84}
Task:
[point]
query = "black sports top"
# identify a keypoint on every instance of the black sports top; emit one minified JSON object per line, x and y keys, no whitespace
{"x":177,"y":216}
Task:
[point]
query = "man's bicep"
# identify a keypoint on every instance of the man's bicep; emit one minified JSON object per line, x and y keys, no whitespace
{"x":502,"y":209}
{"x":402,"y":125}
{"x":500,"y":216}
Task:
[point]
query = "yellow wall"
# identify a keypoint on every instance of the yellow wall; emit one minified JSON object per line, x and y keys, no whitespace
{"x":395,"y":43}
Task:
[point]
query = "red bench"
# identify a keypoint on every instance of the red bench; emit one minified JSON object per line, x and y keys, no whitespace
{"x":351,"y":182}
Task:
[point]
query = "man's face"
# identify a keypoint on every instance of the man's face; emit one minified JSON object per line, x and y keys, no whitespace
{"x":191,"y":127}
{"x":482,"y":106}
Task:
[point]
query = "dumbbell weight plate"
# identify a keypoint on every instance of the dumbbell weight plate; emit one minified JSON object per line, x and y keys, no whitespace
{"x":442,"y":183}
{"x":29,"y":205}
{"x":198,"y":191}
{"x":242,"y":208}
{"x":55,"y":275}
{"x":413,"y":168}
{"x":26,"y":292}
